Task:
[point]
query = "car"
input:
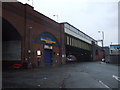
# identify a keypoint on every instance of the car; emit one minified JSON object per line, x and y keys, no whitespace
{"x":71,"y":58}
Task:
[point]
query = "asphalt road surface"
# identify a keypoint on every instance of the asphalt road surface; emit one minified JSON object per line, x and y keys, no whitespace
{"x":77,"y":75}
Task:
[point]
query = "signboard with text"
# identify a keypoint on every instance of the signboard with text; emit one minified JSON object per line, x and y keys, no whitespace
{"x":46,"y":38}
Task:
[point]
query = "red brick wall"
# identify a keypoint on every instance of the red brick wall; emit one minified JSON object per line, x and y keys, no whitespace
{"x":22,"y":17}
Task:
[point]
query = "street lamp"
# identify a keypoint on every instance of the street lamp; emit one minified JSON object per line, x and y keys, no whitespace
{"x":102,"y":36}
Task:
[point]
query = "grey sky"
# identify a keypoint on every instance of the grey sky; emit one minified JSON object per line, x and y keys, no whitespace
{"x":89,"y":16}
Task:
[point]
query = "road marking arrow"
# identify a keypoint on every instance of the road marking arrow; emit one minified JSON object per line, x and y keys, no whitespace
{"x":105,"y":85}
{"x":116,"y":77}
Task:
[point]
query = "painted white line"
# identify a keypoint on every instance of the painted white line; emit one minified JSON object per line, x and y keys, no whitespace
{"x":105,"y":85}
{"x":116,"y":77}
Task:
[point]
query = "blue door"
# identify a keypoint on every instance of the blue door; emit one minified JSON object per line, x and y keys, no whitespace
{"x":47,"y":57}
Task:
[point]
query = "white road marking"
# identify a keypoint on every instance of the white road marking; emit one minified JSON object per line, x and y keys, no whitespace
{"x":116,"y":77}
{"x":105,"y":85}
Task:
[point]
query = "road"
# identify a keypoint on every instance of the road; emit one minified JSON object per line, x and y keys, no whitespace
{"x":77,"y":75}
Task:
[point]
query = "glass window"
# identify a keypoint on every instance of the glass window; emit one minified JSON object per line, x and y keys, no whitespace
{"x":75,"y":43}
{"x":67,"y":40}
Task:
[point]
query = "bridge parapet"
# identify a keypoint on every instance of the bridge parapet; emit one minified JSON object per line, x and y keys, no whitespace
{"x":71,"y":30}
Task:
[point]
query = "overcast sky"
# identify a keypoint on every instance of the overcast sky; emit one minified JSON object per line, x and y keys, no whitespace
{"x":89,"y":16}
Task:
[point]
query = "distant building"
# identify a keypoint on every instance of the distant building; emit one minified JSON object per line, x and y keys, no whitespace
{"x":115,"y":54}
{"x":114,"y":49}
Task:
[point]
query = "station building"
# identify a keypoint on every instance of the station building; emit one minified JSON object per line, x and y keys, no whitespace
{"x":28,"y":35}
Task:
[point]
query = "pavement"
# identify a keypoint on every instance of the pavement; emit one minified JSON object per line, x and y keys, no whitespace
{"x":76,"y":75}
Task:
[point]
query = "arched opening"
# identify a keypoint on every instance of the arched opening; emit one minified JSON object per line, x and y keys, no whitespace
{"x":11,"y":44}
{"x":80,"y":54}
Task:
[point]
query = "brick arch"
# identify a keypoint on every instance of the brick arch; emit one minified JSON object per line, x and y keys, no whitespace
{"x":9,"y":32}
{"x":12,"y":44}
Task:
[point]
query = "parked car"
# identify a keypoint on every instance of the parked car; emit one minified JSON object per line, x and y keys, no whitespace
{"x":71,"y":58}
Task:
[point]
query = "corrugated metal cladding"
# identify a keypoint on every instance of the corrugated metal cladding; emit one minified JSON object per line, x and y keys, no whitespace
{"x":75,"y":42}
{"x":69,"y":29}
{"x":77,"y":35}
{"x":11,"y":50}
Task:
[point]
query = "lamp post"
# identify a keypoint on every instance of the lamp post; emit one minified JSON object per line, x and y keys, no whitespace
{"x":102,"y":36}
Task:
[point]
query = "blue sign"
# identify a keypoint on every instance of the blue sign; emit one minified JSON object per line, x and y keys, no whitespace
{"x":47,"y":39}
{"x":114,"y":47}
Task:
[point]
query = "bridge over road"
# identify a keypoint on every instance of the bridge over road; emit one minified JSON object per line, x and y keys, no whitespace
{"x":79,"y":44}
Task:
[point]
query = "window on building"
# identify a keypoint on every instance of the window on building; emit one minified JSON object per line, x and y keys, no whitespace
{"x":68,"y":40}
